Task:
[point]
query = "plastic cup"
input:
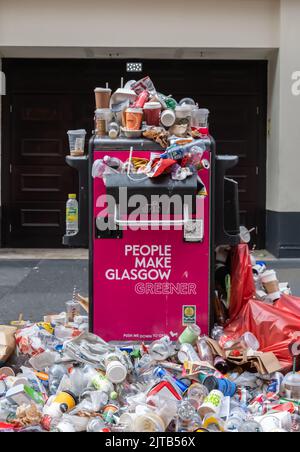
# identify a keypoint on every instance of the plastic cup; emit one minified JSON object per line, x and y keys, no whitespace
{"x":190,"y":335}
{"x":183,"y":111}
{"x":102,"y":97}
{"x":149,"y":422}
{"x":73,"y":310}
{"x":249,"y":341}
{"x":200,"y":118}
{"x":152,"y":113}
{"x":77,"y":141}
{"x":188,"y":353}
{"x":133,"y":118}
{"x":102,"y":118}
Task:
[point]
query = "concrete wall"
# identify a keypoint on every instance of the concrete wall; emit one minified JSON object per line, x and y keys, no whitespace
{"x":283,"y":181}
{"x":132,"y":23}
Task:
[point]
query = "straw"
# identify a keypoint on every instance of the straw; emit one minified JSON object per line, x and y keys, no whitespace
{"x":106,"y":84}
{"x":122,"y":82}
{"x":74,"y":294}
{"x":130,"y":160}
{"x":294,"y":364}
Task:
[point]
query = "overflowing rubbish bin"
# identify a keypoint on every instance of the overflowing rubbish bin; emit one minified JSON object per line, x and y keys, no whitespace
{"x":151,"y":269}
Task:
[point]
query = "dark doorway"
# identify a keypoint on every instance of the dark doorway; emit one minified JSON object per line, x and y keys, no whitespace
{"x":45,"y":98}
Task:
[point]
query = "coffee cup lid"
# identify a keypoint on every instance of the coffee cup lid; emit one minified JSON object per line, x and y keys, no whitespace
{"x":134,"y":110}
{"x":102,"y":90}
{"x":116,"y":372}
{"x":152,"y":105}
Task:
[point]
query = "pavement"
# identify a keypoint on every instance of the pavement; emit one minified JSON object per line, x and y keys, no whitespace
{"x":39,"y":282}
{"x":38,"y":287}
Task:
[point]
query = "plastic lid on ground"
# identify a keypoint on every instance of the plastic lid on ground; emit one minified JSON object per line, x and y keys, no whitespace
{"x":116,"y":372}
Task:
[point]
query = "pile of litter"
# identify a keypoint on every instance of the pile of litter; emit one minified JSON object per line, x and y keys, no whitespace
{"x":59,"y":377}
{"x":64,"y":379}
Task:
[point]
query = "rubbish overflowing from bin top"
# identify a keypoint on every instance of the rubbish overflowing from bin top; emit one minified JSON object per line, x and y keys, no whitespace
{"x":138,"y":110}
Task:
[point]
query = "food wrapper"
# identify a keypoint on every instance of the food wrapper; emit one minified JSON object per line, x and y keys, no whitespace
{"x":160,"y":167}
{"x":28,"y":341}
{"x":145,"y":84}
{"x":157,"y":134}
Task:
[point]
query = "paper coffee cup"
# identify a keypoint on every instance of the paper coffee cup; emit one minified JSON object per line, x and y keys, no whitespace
{"x":152,"y":113}
{"x":270,"y":282}
{"x":212,"y":404}
{"x":102,"y":97}
{"x":133,"y":118}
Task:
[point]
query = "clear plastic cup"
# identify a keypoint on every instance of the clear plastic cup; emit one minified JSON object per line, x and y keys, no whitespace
{"x":249,"y":342}
{"x":77,"y":141}
{"x":73,"y":310}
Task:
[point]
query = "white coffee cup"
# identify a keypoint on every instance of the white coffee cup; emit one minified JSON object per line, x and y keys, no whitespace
{"x":270,"y":282}
{"x":212,"y":404}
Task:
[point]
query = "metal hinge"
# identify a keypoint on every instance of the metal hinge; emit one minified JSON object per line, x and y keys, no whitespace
{"x":11,"y":108}
{"x":257,"y":170}
{"x":258,"y":111}
{"x":10,"y":228}
{"x":256,"y":230}
{"x":10,"y":168}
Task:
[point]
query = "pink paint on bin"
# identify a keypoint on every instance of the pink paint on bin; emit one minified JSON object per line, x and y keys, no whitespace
{"x":135,"y":303}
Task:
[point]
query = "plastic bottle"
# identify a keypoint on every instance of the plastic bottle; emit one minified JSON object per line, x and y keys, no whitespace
{"x":196,"y":394}
{"x":177,"y":152}
{"x":236,"y":420}
{"x":250,"y":427}
{"x":185,"y":415}
{"x":175,"y":382}
{"x":78,"y":380}
{"x":161,"y":349}
{"x":116,"y":369}
{"x":56,"y":374}
{"x":72,"y":215}
{"x":113,"y":130}
{"x":113,"y":162}
{"x":204,"y":351}
{"x":97,"y":426}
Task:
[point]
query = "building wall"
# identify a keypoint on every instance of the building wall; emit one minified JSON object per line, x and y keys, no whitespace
{"x":131,"y":23}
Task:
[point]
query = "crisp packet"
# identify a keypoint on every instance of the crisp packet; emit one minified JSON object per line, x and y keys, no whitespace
{"x":160,"y":167}
{"x":145,"y":84}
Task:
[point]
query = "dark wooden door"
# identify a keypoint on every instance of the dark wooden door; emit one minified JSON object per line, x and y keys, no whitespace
{"x":47,"y":97}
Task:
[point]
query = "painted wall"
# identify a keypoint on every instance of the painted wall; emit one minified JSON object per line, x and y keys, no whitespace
{"x":132,"y":23}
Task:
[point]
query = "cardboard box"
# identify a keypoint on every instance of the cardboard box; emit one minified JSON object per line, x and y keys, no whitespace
{"x":7,"y":342}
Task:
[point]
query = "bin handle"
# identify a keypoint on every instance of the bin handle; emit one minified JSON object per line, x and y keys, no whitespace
{"x":133,"y":223}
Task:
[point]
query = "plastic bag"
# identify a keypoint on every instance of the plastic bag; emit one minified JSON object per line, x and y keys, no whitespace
{"x":274,"y":326}
{"x":242,"y":282}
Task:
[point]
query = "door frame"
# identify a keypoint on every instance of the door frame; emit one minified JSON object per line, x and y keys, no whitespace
{"x":5,"y":162}
{"x":262,"y":97}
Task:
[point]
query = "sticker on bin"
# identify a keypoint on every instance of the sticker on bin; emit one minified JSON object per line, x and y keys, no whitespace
{"x":189,"y":315}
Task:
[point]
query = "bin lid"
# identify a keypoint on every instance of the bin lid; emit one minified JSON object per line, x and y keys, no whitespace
{"x":138,"y":144}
